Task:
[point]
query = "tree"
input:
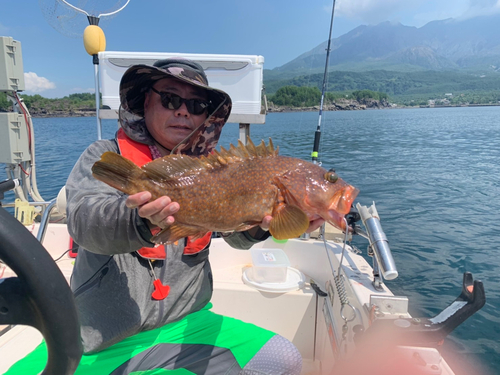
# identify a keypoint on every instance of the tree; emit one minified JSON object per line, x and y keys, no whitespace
{"x":5,"y":104}
{"x":294,"y":96}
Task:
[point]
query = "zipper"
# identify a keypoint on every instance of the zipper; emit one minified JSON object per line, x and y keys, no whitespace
{"x":161,"y":307}
{"x":90,"y":284}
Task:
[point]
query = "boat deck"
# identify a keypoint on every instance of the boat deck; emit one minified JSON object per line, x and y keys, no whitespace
{"x":297,"y":315}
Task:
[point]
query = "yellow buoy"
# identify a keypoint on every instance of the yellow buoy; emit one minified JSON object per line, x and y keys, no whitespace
{"x":94,"y":40}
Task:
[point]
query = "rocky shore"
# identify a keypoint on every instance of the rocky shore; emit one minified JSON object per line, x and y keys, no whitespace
{"x":62,"y":113}
{"x":339,"y":105}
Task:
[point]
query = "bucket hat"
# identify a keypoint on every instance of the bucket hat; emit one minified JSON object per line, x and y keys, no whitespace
{"x":139,"y":79}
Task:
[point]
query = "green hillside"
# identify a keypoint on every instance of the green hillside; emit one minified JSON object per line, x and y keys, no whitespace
{"x":37,"y":103}
{"x":401,"y":87}
{"x":355,"y":67}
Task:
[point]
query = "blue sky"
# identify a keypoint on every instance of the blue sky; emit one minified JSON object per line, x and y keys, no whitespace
{"x":56,"y":63}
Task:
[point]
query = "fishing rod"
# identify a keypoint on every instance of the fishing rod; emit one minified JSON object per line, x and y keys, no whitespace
{"x":317,"y":134}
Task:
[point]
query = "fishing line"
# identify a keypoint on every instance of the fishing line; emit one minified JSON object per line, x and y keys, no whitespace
{"x":317,"y":134}
{"x":207,"y":121}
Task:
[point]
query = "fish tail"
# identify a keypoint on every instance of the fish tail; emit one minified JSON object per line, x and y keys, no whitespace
{"x":118,"y":172}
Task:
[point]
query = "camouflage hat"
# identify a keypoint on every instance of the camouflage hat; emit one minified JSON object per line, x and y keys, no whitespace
{"x":139,"y":79}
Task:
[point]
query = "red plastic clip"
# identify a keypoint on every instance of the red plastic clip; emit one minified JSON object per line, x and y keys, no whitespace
{"x":161,"y":291}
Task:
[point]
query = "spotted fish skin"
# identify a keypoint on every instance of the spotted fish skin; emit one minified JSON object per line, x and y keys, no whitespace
{"x":232,"y":190}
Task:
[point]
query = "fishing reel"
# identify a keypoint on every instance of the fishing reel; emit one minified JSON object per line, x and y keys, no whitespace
{"x":352,"y":218}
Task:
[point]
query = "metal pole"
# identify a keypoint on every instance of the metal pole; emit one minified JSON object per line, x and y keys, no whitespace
{"x":97,"y":100}
{"x":45,"y":220}
{"x":244,"y":133}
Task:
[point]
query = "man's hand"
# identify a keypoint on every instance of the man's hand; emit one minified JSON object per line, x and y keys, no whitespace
{"x":159,"y":212}
{"x":315,"y":224}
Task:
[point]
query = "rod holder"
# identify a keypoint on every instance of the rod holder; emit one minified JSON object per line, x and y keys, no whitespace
{"x":378,"y":241}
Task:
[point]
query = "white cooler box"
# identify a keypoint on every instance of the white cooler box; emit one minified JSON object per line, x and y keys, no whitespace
{"x":241,"y":76}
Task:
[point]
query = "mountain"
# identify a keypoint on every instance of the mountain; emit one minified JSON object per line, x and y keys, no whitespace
{"x":470,"y":45}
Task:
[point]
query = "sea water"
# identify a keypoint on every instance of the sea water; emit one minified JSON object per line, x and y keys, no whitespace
{"x":433,"y":173}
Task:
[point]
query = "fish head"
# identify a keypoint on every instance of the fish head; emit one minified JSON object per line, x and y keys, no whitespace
{"x":322,"y":193}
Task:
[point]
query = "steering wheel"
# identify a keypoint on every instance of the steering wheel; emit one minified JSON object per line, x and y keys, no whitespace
{"x":39,"y":297}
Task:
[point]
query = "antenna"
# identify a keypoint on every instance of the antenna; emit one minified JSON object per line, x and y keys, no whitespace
{"x":65,"y":18}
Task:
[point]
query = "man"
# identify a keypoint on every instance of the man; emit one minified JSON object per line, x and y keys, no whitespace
{"x":143,"y":307}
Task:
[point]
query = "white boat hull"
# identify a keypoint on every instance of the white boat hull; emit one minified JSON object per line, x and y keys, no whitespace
{"x":298,"y":315}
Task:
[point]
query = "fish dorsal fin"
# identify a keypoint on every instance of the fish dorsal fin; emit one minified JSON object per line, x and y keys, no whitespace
{"x":171,"y":167}
{"x":243,"y":150}
{"x":261,"y":150}
{"x":252,"y":150}
{"x":271,"y":149}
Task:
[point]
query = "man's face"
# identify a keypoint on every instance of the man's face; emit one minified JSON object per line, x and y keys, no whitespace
{"x":169,"y":127}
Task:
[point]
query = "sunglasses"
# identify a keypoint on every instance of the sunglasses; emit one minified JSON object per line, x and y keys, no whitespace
{"x":173,"y":101}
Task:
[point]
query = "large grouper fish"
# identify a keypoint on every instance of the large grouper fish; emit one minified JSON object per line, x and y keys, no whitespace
{"x":232,"y":190}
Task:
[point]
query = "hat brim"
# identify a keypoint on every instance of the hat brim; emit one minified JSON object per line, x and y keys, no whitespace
{"x":138,"y":79}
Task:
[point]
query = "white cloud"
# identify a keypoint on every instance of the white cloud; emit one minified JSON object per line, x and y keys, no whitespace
{"x":373,"y":11}
{"x":484,"y":3}
{"x":415,"y":12}
{"x":481,"y":8}
{"x":35,"y":83}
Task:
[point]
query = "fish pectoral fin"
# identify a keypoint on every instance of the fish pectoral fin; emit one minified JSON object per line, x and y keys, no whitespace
{"x":288,"y":222}
{"x":177,"y":231}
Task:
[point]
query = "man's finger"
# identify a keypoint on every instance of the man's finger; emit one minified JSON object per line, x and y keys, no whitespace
{"x":266,"y":222}
{"x":138,"y":199}
{"x":315,"y":224}
{"x":156,"y":207}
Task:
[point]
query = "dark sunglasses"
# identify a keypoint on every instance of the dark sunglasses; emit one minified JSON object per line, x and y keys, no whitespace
{"x":173,"y":101}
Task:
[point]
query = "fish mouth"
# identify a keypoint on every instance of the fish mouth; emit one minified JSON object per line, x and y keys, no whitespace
{"x":341,"y":205}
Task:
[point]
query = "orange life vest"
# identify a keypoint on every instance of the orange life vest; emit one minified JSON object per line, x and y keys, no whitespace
{"x":140,"y":154}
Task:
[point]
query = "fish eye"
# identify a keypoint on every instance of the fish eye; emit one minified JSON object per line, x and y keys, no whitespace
{"x":331,"y":176}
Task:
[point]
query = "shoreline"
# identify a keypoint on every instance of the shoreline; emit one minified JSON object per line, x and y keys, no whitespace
{"x":283,"y":109}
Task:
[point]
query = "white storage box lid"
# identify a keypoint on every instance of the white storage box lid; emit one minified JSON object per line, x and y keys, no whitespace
{"x":269,"y":258}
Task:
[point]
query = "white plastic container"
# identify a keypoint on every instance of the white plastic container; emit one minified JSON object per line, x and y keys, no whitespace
{"x":269,"y":265}
{"x":241,"y":76}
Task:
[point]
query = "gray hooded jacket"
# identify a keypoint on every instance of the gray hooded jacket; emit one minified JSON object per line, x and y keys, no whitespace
{"x":112,"y":284}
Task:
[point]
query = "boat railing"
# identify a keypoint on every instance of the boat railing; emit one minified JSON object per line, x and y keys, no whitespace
{"x":45,"y":220}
